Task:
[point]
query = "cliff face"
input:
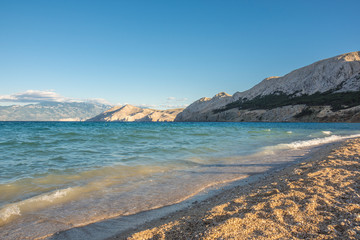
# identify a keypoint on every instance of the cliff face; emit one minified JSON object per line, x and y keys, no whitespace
{"x":327,"y":87}
{"x":129,"y":113}
{"x":340,"y":71}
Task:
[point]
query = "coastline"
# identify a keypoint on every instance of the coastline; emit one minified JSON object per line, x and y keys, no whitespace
{"x":196,"y":217}
{"x":316,"y":198}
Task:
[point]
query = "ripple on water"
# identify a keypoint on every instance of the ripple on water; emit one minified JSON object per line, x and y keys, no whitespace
{"x":111,"y":167}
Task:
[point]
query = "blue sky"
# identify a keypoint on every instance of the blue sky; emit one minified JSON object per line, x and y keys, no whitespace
{"x":164,"y":53}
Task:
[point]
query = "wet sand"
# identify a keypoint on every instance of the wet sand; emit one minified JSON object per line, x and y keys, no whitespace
{"x":318,"y":198}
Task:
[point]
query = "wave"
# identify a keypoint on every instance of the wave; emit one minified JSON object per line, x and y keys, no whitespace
{"x":259,"y":130}
{"x":88,"y":182}
{"x":316,"y":141}
{"x":270,"y":150}
{"x":9,"y":211}
{"x":326,"y":132}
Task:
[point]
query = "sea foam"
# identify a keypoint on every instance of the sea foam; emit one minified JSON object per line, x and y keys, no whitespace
{"x":315,"y":141}
{"x":16,"y":209}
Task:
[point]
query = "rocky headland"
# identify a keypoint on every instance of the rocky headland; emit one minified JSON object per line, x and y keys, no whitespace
{"x":129,"y":113}
{"x":325,"y":91}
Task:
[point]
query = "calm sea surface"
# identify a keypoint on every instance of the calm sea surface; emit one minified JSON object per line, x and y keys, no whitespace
{"x":55,"y":175}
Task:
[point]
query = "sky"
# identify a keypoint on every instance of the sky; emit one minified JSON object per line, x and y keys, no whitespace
{"x":162,"y":54}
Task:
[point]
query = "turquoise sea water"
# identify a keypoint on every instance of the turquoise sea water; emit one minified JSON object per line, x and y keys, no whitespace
{"x":57,"y":175}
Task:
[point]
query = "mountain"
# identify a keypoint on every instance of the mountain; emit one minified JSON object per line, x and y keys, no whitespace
{"x":129,"y":113}
{"x":327,"y":90}
{"x":52,"y":111}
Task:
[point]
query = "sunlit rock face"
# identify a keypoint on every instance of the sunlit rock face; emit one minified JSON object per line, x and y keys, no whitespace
{"x":129,"y":113}
{"x":340,"y":74}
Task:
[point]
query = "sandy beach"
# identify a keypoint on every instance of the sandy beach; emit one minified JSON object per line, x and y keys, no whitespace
{"x":315,"y":199}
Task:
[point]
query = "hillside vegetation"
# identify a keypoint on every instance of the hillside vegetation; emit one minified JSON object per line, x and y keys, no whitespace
{"x":337,"y":101}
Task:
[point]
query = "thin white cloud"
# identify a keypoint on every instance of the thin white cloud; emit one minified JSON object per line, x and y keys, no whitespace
{"x":34,"y":96}
{"x":99,"y":100}
{"x":169,"y":103}
{"x":173,"y":102}
{"x":174,"y":99}
{"x":144,"y":105}
{"x":162,"y":106}
{"x":38,"y":96}
{"x":172,"y":106}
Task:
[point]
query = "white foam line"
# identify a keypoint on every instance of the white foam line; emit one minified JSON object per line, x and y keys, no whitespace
{"x":14,"y":209}
{"x":316,"y":141}
{"x":326,"y":132}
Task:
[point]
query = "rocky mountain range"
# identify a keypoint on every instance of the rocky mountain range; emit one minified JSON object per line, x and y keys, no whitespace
{"x":52,"y":111}
{"x":327,"y":90}
{"x":129,"y":113}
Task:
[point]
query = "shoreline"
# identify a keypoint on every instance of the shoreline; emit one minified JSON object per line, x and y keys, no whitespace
{"x":316,"y":198}
{"x":123,"y":227}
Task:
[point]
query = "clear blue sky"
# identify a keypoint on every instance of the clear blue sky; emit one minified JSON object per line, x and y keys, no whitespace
{"x":165,"y":52}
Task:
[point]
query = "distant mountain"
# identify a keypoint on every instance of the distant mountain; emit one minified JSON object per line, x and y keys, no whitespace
{"x":129,"y":113}
{"x":52,"y":111}
{"x":328,"y":90}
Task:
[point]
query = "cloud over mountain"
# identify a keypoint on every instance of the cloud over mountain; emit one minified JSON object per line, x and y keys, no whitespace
{"x":174,"y":99}
{"x":34,"y":96}
{"x":38,"y":96}
{"x":168,"y":103}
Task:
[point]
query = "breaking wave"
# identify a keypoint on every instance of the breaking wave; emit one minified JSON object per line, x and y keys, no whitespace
{"x":16,"y":209}
{"x":315,"y":141}
{"x":326,"y":132}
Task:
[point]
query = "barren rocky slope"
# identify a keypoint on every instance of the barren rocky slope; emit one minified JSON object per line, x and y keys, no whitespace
{"x":52,"y":111}
{"x":129,"y":113}
{"x":327,"y":90}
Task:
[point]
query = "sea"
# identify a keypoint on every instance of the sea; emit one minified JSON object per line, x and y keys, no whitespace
{"x":55,"y":176}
